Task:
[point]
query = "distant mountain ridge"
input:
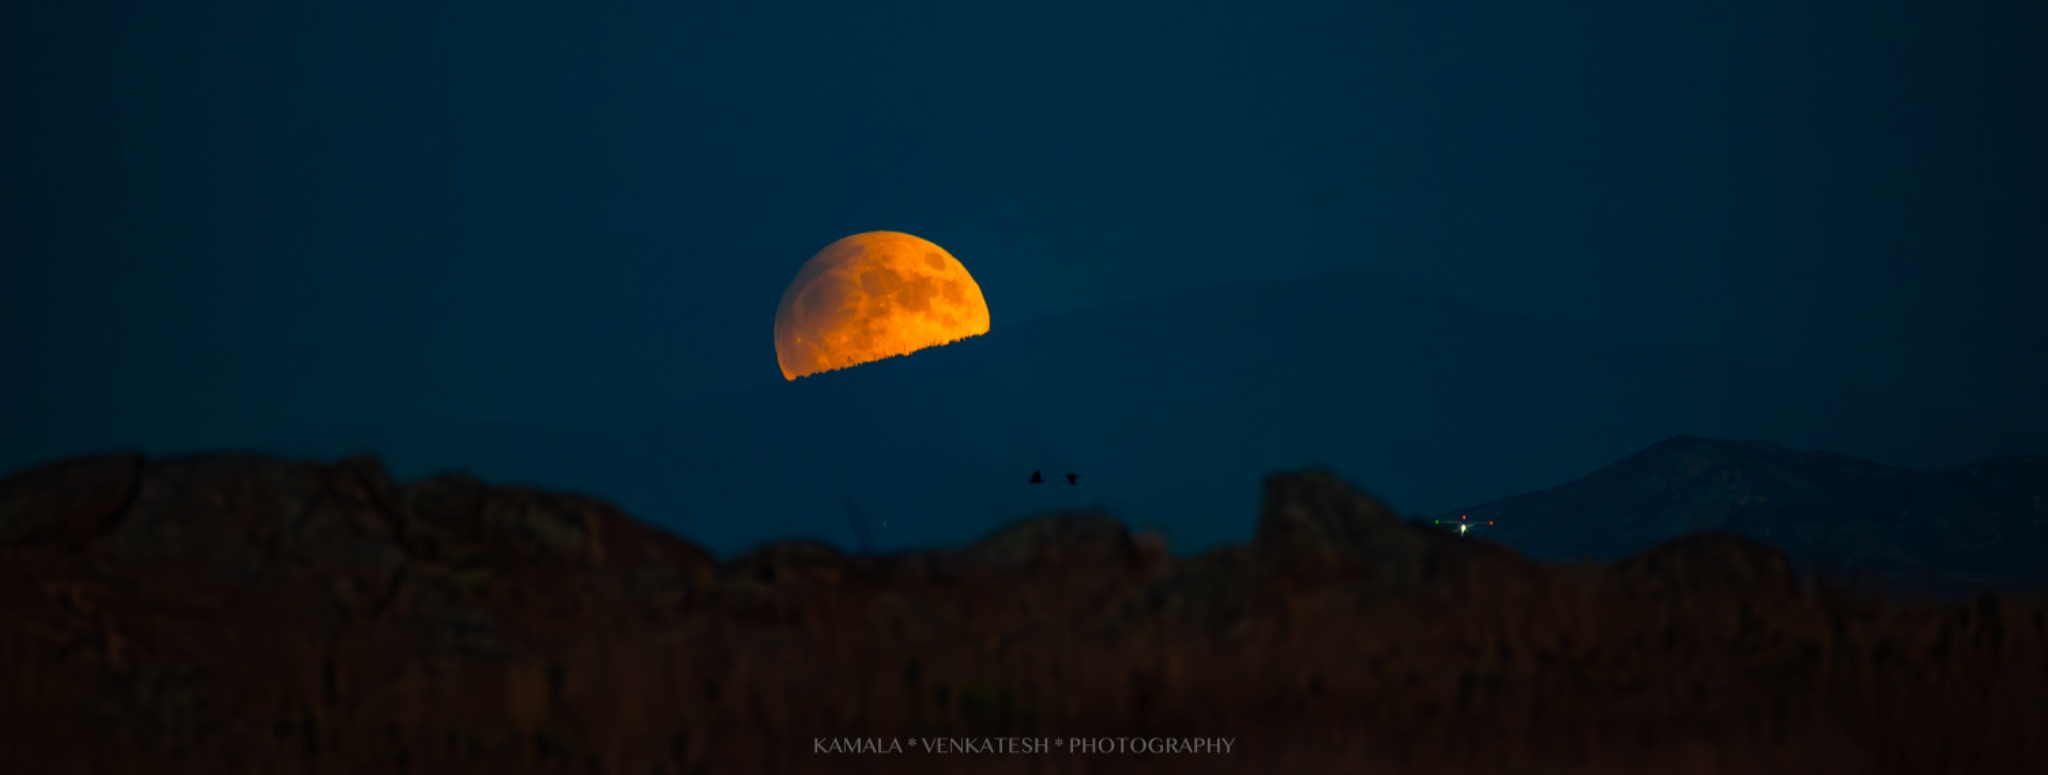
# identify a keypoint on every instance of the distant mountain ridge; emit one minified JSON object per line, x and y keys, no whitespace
{"x":1952,"y":530}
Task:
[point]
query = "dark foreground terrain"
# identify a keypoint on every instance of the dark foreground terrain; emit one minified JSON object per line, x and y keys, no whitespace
{"x":241,"y":614}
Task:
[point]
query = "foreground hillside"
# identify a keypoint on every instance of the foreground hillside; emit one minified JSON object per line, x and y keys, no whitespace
{"x":241,"y":614}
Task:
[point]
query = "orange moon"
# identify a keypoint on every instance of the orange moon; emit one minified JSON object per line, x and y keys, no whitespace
{"x":871,"y":296}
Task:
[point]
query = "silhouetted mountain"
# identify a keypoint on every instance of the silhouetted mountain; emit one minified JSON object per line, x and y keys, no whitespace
{"x":1170,"y":403}
{"x":240,"y":614}
{"x":1949,"y":531}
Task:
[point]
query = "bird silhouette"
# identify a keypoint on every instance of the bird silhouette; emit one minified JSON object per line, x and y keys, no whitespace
{"x":1072,"y":477}
{"x":1036,"y":479}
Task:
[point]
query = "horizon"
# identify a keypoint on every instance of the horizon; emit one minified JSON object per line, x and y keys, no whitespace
{"x":621,"y":462}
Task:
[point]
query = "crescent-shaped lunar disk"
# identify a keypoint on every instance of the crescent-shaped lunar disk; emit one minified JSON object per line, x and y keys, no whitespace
{"x":871,"y":296}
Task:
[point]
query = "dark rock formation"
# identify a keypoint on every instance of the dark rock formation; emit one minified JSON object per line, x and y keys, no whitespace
{"x":1713,"y":563}
{"x":241,"y":614}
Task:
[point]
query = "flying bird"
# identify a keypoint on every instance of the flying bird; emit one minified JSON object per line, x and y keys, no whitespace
{"x":1036,"y":479}
{"x":1072,"y":477}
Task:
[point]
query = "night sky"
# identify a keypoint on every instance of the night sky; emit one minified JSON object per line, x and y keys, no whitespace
{"x":242,"y":224}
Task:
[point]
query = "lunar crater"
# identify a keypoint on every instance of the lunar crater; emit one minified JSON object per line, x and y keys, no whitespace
{"x":873,"y":296}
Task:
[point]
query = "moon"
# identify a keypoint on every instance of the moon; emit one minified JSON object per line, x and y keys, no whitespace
{"x":871,"y":296}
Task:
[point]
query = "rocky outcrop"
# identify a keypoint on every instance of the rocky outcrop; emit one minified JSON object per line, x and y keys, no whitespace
{"x":1713,"y":563}
{"x":1314,"y":525}
{"x":235,"y":613}
{"x":70,"y":503}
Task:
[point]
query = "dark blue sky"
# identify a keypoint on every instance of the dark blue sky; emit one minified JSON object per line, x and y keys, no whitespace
{"x":233,"y":221}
